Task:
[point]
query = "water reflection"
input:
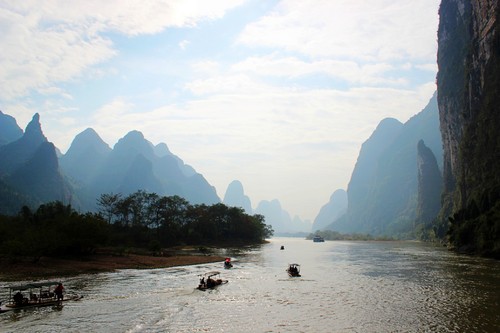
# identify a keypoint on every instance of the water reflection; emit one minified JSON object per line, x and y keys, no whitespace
{"x":345,"y":287}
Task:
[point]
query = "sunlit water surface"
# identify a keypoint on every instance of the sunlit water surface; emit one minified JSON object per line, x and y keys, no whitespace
{"x":345,"y":287}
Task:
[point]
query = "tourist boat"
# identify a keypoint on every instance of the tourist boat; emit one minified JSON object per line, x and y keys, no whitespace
{"x":293,"y":270}
{"x":227,"y":263}
{"x":318,"y":239}
{"x":210,"y":280}
{"x":35,"y":294}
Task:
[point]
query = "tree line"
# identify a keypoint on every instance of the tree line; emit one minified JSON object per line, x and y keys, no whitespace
{"x":138,"y":220}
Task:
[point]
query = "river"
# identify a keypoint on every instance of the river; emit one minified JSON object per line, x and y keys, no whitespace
{"x":345,"y":287}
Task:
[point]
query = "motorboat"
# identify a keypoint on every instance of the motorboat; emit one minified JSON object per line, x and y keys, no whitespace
{"x":227,"y":263}
{"x":210,"y":280}
{"x":318,"y":239}
{"x":36,"y":294}
{"x":293,"y":270}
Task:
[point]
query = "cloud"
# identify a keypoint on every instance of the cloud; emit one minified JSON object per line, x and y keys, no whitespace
{"x":380,"y":30}
{"x":292,"y":68}
{"x":281,"y":101}
{"x":56,"y":41}
{"x":183,"y":44}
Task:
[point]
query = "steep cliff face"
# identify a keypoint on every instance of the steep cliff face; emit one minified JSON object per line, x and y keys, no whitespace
{"x":468,"y":85}
{"x":382,"y":192}
{"x":453,"y":38}
{"x":429,"y":185}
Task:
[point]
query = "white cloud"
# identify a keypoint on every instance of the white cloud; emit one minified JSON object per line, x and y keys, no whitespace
{"x":379,"y":30}
{"x":291,"y":67}
{"x":250,"y":113}
{"x":56,"y":41}
{"x":183,"y":44}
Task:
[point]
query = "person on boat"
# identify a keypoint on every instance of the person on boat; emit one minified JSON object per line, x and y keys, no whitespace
{"x":59,"y":292}
{"x":227,"y":263}
{"x":18,"y":298}
{"x":202,"y":283}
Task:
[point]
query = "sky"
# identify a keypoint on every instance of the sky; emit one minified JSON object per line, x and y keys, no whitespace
{"x":278,"y":94}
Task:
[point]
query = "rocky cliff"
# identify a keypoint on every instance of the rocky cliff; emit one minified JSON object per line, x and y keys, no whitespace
{"x":430,"y":185}
{"x":468,"y":84}
{"x":382,"y":192}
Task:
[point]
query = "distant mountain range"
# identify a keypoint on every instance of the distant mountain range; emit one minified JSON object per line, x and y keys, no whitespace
{"x":382,"y":197}
{"x":133,"y":164}
{"x":331,"y":211}
{"x":31,"y":172}
{"x":383,"y":191}
{"x":29,"y":169}
{"x":272,"y":210}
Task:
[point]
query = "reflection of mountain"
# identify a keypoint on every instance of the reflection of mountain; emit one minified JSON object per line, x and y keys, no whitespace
{"x":133,"y":164}
{"x":382,"y":193}
{"x":29,"y":171}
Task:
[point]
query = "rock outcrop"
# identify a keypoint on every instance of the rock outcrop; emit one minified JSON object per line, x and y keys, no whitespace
{"x":430,"y":185}
{"x":382,"y":192}
{"x":468,"y":85}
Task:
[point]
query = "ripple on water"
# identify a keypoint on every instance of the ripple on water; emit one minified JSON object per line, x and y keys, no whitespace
{"x":345,"y":287}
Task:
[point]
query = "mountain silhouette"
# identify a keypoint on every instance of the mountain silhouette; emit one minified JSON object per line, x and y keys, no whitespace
{"x":235,"y":197}
{"x":331,"y":211}
{"x":133,"y":164}
{"x":9,"y":130}
{"x":382,"y":192}
{"x":30,"y":172}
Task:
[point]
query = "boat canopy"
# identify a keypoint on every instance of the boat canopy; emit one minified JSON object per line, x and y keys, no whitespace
{"x":33,"y":285}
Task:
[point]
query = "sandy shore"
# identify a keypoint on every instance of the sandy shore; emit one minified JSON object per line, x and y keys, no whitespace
{"x":47,"y":268}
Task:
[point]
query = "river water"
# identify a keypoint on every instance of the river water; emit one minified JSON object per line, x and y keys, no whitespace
{"x":345,"y":287}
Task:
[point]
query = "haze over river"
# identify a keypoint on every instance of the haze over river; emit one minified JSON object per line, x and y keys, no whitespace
{"x":345,"y":287}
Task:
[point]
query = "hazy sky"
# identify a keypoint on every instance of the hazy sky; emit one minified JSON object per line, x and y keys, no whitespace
{"x":277,"y":94}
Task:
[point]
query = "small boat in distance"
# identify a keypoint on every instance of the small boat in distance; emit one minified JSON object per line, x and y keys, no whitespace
{"x":293,"y":270}
{"x":318,"y":239}
{"x":227,"y":263}
{"x":210,"y":280}
{"x":35,"y":294}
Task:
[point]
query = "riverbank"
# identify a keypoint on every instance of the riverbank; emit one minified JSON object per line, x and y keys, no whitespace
{"x":48,"y":267}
